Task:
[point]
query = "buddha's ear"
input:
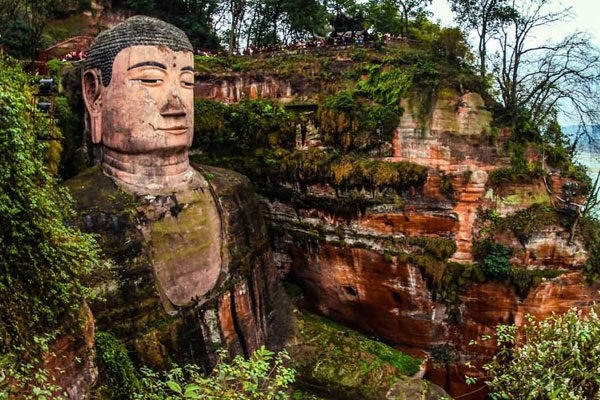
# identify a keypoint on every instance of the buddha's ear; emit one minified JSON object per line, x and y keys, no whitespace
{"x":91,"y":85}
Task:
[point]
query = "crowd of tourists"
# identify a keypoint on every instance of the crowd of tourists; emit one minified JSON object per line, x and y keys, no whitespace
{"x":333,"y":40}
{"x":74,"y":56}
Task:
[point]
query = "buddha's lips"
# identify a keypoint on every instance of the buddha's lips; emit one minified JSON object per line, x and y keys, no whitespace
{"x":175,"y":130}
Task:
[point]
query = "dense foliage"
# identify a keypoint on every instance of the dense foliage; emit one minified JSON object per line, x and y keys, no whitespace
{"x":116,"y":369}
{"x":589,"y":230}
{"x":42,"y":259}
{"x":556,"y":358}
{"x":495,"y":259}
{"x":264,"y":376}
{"x":259,"y":139}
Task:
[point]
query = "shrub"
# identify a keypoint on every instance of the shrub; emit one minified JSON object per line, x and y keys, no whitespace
{"x":556,"y":358}
{"x":117,"y":375}
{"x":524,"y":223}
{"x":505,"y":175}
{"x":447,"y":188}
{"x":71,"y":125}
{"x":589,"y":230}
{"x":451,"y":46}
{"x":209,"y":124}
{"x":262,"y":377}
{"x":495,"y":259}
{"x":386,"y":86}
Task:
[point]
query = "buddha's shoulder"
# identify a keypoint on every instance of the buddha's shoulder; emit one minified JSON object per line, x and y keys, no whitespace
{"x":225,"y":181}
{"x":92,"y":190}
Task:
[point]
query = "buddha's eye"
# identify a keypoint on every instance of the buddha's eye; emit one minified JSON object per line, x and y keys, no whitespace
{"x":187,"y":79}
{"x":150,"y":81}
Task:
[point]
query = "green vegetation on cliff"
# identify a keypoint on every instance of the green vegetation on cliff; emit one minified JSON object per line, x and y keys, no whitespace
{"x":41,"y":258}
{"x":336,"y":361}
{"x":337,"y":135}
{"x":258,"y":138}
{"x":555,"y":358}
{"x":118,"y":379}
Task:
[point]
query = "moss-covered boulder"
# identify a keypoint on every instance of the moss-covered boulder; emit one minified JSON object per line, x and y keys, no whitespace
{"x":337,"y":362}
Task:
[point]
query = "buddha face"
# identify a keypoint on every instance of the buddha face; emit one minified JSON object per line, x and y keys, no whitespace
{"x":148,"y":106}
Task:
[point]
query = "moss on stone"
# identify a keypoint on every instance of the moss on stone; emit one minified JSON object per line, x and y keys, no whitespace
{"x":524,"y":223}
{"x":523,"y":279}
{"x":95,"y":192}
{"x":336,"y":361}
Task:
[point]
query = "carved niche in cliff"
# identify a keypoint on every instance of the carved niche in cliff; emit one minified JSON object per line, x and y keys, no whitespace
{"x":193,"y":268}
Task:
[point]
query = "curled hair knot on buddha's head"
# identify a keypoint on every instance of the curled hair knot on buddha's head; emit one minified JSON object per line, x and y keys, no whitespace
{"x":136,"y":31}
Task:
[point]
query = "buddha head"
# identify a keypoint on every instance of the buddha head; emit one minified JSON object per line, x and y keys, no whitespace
{"x":137,"y":85}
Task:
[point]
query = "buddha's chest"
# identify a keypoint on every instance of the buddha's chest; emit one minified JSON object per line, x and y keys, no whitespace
{"x":185,"y":240}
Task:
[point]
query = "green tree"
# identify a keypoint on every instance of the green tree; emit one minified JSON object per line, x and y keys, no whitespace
{"x":556,"y":358}
{"x":194,"y":17}
{"x":411,"y":9}
{"x":486,"y":18}
{"x":385,"y":17}
{"x":22,"y":24}
{"x":346,"y":15}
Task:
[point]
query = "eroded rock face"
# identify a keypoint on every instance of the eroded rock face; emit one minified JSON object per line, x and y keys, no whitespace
{"x":70,"y":360}
{"x":359,"y":270}
{"x":240,"y":307}
{"x":231,"y":89}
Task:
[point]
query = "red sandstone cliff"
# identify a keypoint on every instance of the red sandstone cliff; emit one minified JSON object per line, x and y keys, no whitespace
{"x":374,"y":271}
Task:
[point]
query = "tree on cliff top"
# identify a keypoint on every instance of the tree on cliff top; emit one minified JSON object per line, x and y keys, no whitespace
{"x":485,"y":17}
{"x":41,"y":258}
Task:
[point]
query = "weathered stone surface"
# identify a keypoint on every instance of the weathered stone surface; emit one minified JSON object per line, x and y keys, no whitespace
{"x":412,"y":389}
{"x":137,"y":86}
{"x":231,"y":89}
{"x":349,"y":275}
{"x":446,"y":137}
{"x":70,"y":359}
{"x":245,"y":307}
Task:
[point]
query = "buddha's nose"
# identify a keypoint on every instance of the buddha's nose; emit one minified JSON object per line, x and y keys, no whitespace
{"x":174,"y":106}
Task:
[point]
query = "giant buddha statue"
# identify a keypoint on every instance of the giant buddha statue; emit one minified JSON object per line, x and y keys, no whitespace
{"x":193,"y":268}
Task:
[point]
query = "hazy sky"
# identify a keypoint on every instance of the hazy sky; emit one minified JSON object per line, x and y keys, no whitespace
{"x":586,"y":18}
